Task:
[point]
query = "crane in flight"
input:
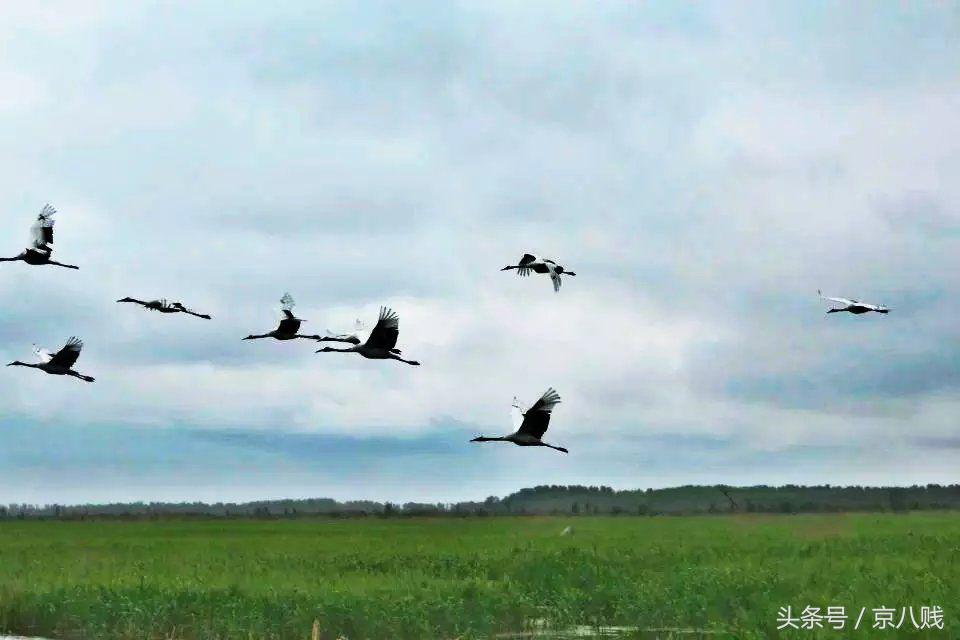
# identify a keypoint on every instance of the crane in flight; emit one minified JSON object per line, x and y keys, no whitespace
{"x":530,"y":426}
{"x":41,"y":242}
{"x":855,"y":307}
{"x":530,"y":262}
{"x":290,"y":325}
{"x":382,"y":342}
{"x":60,"y":363}
{"x":164,"y":307}
{"x":353,"y":337}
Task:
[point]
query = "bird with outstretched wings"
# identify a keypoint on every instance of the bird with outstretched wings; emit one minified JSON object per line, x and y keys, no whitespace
{"x":854,"y":306}
{"x":537,"y":417}
{"x":530,"y":263}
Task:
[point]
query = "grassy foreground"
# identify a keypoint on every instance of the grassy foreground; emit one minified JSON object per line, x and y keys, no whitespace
{"x":474,"y":578}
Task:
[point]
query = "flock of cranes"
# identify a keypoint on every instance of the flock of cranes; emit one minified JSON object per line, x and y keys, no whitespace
{"x":381,"y":343}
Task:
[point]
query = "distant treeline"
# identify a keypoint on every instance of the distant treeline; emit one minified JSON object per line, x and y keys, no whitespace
{"x":543,"y":500}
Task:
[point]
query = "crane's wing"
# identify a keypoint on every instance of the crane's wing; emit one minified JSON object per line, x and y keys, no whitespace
{"x":359,"y":328}
{"x":845,"y":301}
{"x":289,"y":325}
{"x":554,"y":276}
{"x":838,"y":300}
{"x":287,"y":304}
{"x":41,"y":233}
{"x":182,"y":307}
{"x":385,"y":333}
{"x":516,"y":414}
{"x":524,"y":264}
{"x":67,"y":356}
{"x":537,"y":417}
{"x":36,"y":238}
{"x":42,"y":354}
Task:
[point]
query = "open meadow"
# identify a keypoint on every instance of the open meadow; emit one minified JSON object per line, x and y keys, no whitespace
{"x":471,"y":578}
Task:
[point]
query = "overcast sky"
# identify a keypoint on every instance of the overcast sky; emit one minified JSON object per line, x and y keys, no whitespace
{"x":705,"y":168}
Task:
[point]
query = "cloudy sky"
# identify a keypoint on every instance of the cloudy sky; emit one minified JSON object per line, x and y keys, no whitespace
{"x":704,"y":168}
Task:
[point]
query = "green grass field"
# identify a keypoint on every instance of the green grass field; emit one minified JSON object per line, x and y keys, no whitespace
{"x":473,"y":578}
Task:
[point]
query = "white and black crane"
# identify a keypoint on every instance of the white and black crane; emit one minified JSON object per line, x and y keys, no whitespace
{"x":352,"y":337}
{"x":532,"y":424}
{"x":530,"y":262}
{"x":855,"y":307}
{"x":163,"y":306}
{"x":41,"y":242}
{"x":382,"y":342}
{"x":59,"y":364}
{"x":290,"y":325}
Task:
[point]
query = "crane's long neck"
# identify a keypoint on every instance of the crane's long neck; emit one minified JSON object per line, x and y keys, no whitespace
{"x":17,"y":363}
{"x":490,"y":439}
{"x":264,"y":335}
{"x":334,"y":339}
{"x":329,"y":349}
{"x":510,"y":266}
{"x":11,"y":259}
{"x":547,"y":444}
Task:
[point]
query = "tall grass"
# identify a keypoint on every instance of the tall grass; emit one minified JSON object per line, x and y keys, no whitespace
{"x":473,"y":578}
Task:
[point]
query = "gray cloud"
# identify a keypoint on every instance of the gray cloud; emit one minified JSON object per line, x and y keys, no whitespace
{"x":920,"y":212}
